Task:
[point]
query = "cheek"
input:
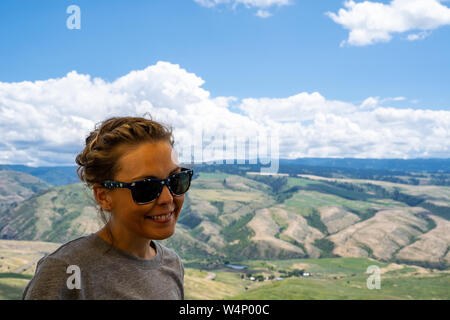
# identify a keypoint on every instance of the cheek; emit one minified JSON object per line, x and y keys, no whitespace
{"x":121,"y":197}
{"x":179,"y":201}
{"x":125,"y":209}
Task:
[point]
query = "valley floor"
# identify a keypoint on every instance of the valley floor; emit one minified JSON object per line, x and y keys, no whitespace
{"x":327,"y":279}
{"x":323,"y":279}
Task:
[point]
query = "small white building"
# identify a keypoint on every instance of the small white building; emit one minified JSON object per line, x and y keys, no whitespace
{"x":252,"y":278}
{"x":306,"y":274}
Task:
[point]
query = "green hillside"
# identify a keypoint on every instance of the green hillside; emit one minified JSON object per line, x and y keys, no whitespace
{"x":236,"y":217}
{"x":12,"y":285}
{"x":58,"y":215}
{"x":277,"y":226}
{"x":18,"y":186}
{"x":393,"y":288}
{"x":346,"y":278}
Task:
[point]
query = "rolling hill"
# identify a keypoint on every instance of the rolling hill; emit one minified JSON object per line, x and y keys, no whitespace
{"x":59,"y":214}
{"x":18,"y":186}
{"x":240,"y":217}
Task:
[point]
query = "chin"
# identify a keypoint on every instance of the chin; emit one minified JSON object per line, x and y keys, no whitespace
{"x":160,"y":234}
{"x":156,"y":232}
{"x":163,"y":235}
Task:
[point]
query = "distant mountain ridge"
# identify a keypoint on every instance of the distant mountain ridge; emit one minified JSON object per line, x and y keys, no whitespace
{"x":416,"y":165}
{"x":67,"y":174}
{"x":55,"y":176}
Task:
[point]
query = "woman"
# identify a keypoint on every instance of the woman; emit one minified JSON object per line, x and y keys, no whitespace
{"x":139,"y":187}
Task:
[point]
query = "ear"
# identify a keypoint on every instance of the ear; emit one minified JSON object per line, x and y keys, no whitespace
{"x":103,"y":197}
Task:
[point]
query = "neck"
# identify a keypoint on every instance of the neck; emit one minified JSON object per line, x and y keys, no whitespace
{"x":127,"y":241}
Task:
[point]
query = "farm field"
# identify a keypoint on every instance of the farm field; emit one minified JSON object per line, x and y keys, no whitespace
{"x":330,"y":278}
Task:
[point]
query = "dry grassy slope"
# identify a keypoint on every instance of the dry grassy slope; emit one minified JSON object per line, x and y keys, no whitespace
{"x":432,"y":246}
{"x":276,"y":230}
{"x":268,"y":245}
{"x":59,"y":215}
{"x":384,"y":234}
{"x":398,"y":234}
{"x":237,"y":198}
{"x":18,"y":186}
{"x":186,"y":244}
{"x":336,"y":218}
{"x":210,"y":232}
{"x":298,"y":230}
{"x":435,"y":194}
{"x":22,"y":256}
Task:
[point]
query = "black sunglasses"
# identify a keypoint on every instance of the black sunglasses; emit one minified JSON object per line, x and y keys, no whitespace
{"x":148,"y":190}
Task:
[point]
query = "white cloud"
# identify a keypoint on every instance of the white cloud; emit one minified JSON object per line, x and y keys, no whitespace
{"x":370,"y":103}
{"x":263,"y":13}
{"x":395,"y":99}
{"x":418,"y":36}
{"x":373,"y":102}
{"x":326,"y":128}
{"x":46,"y":122}
{"x":262,"y":5}
{"x":298,"y":108}
{"x":370,"y":22}
{"x":211,"y":3}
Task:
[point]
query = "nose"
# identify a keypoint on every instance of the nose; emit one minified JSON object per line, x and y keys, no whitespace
{"x":165,"y":196}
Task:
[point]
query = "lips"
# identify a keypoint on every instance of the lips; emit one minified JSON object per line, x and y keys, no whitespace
{"x":165,"y":217}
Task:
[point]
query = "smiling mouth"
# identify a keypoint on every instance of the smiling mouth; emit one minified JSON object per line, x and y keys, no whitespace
{"x":162,"y":217}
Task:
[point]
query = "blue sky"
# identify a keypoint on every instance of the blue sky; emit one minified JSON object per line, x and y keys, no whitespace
{"x":235,"y":52}
{"x":328,"y":78}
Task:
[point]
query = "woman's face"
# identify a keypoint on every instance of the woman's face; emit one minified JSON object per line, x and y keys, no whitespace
{"x":149,"y":159}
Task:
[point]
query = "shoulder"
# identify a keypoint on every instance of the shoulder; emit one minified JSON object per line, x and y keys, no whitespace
{"x":171,"y":262}
{"x":52,"y":270}
{"x":77,"y":251}
{"x":66,"y":254}
{"x":167,"y":253}
{"x":169,"y":256}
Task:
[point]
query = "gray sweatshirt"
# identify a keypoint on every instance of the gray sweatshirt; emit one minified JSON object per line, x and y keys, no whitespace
{"x":84,"y":269}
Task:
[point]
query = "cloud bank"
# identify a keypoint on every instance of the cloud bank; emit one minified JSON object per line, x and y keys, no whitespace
{"x":371,"y":22}
{"x":46,"y":122}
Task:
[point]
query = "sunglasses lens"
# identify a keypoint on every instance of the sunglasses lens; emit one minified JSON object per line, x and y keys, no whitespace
{"x":180,"y":182}
{"x":146,"y":191}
